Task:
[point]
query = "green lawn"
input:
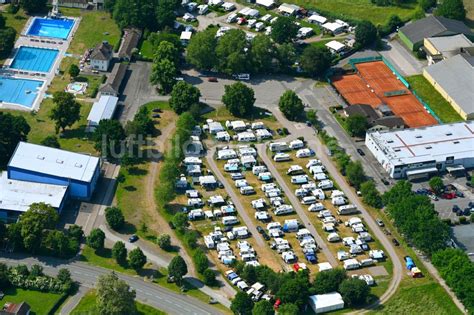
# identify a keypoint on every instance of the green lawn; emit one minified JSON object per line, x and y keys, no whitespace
{"x":17,"y":21}
{"x":74,"y":139}
{"x":41,"y":303}
{"x":359,"y":9}
{"x":437,"y":102}
{"x":103,"y":259}
{"x":89,"y":35}
{"x":146,"y":49}
{"x":87,"y":306}
{"x":423,"y":299}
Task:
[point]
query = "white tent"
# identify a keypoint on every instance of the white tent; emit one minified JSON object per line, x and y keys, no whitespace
{"x":186,"y":36}
{"x":266,"y":3}
{"x":323,"y":303}
{"x":335,"y":46}
{"x":317,"y":19}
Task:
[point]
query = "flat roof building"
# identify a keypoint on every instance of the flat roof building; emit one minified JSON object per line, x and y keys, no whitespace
{"x":16,"y":196}
{"x":40,"y":164}
{"x":322,"y":303}
{"x":419,"y":152}
{"x":453,"y":78}
{"x":441,"y":48}
{"x":101,"y":110}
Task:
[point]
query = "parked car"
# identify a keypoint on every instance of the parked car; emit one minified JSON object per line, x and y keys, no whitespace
{"x":456,"y":208}
{"x":260,"y":229}
{"x":467,"y":211}
{"x":212,"y":79}
{"x":265,"y":236}
{"x":156,"y":116}
{"x":380,"y":222}
{"x":157,"y":110}
{"x":362,"y":153}
{"x":395,"y":242}
{"x":133,"y":238}
{"x":385,"y":181}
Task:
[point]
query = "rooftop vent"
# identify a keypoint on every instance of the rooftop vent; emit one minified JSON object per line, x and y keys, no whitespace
{"x":40,"y":157}
{"x":456,"y":142}
{"x":428,"y":147}
{"x":59,"y":161}
{"x":78,"y":165}
{"x":449,"y":134}
{"x":419,"y":137}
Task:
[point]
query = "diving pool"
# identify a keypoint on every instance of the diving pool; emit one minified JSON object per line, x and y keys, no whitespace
{"x":53,"y":28}
{"x":34,"y":59}
{"x":19,"y":91}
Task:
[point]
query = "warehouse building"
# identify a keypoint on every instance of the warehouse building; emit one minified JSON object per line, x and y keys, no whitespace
{"x":453,"y":78}
{"x":413,"y":34}
{"x":17,"y":196}
{"x":420,"y":152}
{"x":40,"y":164}
{"x":441,"y":48}
{"x":102,"y":110}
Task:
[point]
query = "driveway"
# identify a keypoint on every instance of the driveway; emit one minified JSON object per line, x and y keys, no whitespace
{"x":402,"y":59}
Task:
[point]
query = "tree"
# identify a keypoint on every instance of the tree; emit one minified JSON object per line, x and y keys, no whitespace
{"x":315,"y":60}
{"x":180,"y":221}
{"x":294,"y":291}
{"x":76,"y":232}
{"x":312,"y":117}
{"x":64,"y":275}
{"x":142,"y":124}
{"x":96,"y":239}
{"x":4,"y":282}
{"x":114,"y":217}
{"x":7,"y":41}
{"x":200,"y":260}
{"x":242,"y":304}
{"x":114,"y":296}
{"x":436,"y":184}
{"x":3,"y":231}
{"x":33,"y":6}
{"x":36,"y":271}
{"x":177,"y":269}
{"x":209,"y":277}
{"x":262,"y":52}
{"x":232,"y":52}
{"x":355,"y":174}
{"x":357,"y":125}
{"x":238,"y":99}
{"x":263,"y":307}
{"x":201,"y":50}
{"x":136,"y":259}
{"x":284,"y":30}
{"x":165,"y":15}
{"x":370,"y":194}
{"x":166,"y":50}
{"x":51,"y":141}
{"x":164,"y":73}
{"x":452,"y":9}
{"x":13,"y":129}
{"x":326,"y":282}
{"x":108,"y":137}
{"x":291,"y":105}
{"x":164,"y":241}
{"x":286,"y":56}
{"x":183,"y":96}
{"x":354,"y":291}
{"x":138,"y":13}
{"x":119,"y":252}
{"x":156,"y":38}
{"x":33,"y":222}
{"x":365,"y":33}
{"x":74,"y":71}
{"x":288,"y":309}
{"x":66,"y":110}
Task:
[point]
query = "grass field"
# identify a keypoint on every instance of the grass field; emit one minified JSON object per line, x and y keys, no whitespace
{"x":73,"y":139}
{"x":88,"y":34}
{"x":359,"y":9}
{"x":41,"y":303}
{"x":146,"y":49}
{"x":437,"y":103}
{"x":103,"y":259}
{"x":17,"y":21}
{"x":87,"y":306}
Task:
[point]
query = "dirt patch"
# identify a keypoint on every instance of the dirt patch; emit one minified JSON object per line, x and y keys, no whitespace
{"x":378,"y":271}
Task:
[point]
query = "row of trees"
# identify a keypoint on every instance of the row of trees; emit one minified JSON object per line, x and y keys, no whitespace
{"x":293,"y":289}
{"x":7,"y":38}
{"x":232,"y":53}
{"x":35,"y":232}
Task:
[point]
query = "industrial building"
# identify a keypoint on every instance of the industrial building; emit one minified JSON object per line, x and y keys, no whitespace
{"x":40,"y":164}
{"x":323,"y":303}
{"x":453,"y":78}
{"x":420,"y":152}
{"x":17,"y":196}
{"x":101,"y":110}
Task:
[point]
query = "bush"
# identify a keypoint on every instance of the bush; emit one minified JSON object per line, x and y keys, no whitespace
{"x":164,"y":241}
{"x":463,"y":220}
{"x":114,"y":217}
{"x":96,"y":239}
{"x":354,"y":291}
{"x":472,"y":217}
{"x":94,"y":91}
{"x":200,"y":260}
{"x":209,"y":277}
{"x":190,"y":238}
{"x":136,"y":259}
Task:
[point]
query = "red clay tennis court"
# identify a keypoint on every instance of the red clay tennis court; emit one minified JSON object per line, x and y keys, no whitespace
{"x":373,"y":84}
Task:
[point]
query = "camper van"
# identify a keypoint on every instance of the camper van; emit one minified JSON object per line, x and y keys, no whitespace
{"x":301,"y":192}
{"x":283,"y":209}
{"x":267,"y":187}
{"x":279,"y":146}
{"x":313,"y":162}
{"x":273,"y":193}
{"x":296,"y":144}
{"x":320,"y":176}
{"x":232,"y":18}
{"x":230,"y":220}
{"x":299,"y":179}
{"x":308,"y":200}
{"x":304,"y":153}
{"x":259,"y":169}
{"x":247,"y":190}
{"x":241,"y":183}
{"x":326,"y":184}
{"x":281,"y":157}
{"x":295,"y":170}
{"x":315,"y":207}
{"x":319,"y":194}
{"x":338,"y":201}
{"x":333,"y":237}
{"x":351,"y":264}
{"x":347,"y":209}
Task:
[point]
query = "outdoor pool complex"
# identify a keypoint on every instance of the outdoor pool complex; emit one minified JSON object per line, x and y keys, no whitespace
{"x":53,"y":28}
{"x":19,"y":91}
{"x":34,"y":59}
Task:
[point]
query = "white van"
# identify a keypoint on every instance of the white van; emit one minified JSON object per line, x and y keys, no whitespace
{"x":267,"y":187}
{"x":313,"y":162}
{"x":304,"y":153}
{"x":241,"y":183}
{"x":333,"y":237}
{"x":259,"y":169}
{"x":247,"y":190}
{"x":338,"y":201}
{"x":281,"y":157}
{"x":308,"y":200}
{"x":279,"y":146}
{"x":283,"y":209}
{"x":367,"y":262}
{"x":296,"y":144}
{"x":299,"y":179}
{"x":326,"y":184}
{"x":347,"y":209}
{"x":295,"y":170}
{"x":351,"y":264}
{"x":319,"y":194}
{"x":320,"y":176}
{"x":230,"y":220}
{"x":315,"y":207}
{"x":273,"y":193}
{"x":232,"y":18}
{"x":301,"y":192}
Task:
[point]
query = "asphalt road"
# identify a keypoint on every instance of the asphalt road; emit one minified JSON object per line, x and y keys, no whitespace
{"x":146,"y":292}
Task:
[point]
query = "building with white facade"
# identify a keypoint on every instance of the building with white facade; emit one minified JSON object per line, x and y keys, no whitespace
{"x":419,"y":152}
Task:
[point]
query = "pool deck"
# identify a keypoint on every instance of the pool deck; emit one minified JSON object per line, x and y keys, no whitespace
{"x":47,"y":77}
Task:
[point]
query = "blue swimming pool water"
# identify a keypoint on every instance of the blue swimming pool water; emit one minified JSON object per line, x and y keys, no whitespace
{"x":34,"y":59}
{"x":51,"y":28}
{"x":19,"y":91}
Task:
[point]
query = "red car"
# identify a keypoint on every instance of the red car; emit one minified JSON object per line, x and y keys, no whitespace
{"x":212,"y":79}
{"x":450,"y":195}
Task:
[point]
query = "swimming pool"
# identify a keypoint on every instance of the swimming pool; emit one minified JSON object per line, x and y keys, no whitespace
{"x":19,"y":91}
{"x":53,"y":28}
{"x":34,"y":59}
